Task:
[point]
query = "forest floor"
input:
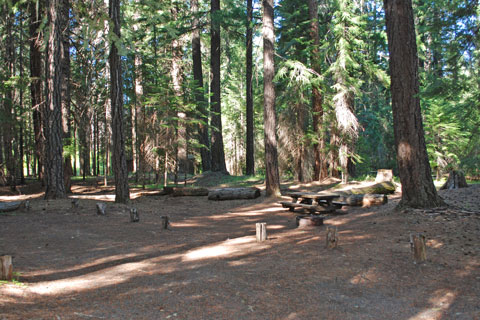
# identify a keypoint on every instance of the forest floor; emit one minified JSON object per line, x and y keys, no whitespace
{"x":74,"y":264}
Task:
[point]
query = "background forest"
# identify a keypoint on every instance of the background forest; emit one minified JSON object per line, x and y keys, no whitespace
{"x":333,"y":103}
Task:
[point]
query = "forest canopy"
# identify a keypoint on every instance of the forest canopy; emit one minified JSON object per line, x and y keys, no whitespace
{"x":192,"y":86}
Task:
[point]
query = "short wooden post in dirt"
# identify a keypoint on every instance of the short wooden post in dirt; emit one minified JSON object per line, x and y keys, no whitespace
{"x":134,"y":215}
{"x":74,"y":203}
{"x":101,"y":208}
{"x":6,"y":268}
{"x":418,"y":246}
{"x":261,"y":231}
{"x":308,"y":221}
{"x":384,"y":175}
{"x":332,"y":237}
{"x":165,"y":222}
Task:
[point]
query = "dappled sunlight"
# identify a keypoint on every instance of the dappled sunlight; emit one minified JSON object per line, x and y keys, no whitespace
{"x":22,"y":197}
{"x":227,"y":248}
{"x":440,"y":302}
{"x":435,"y":244}
{"x":366,"y":277}
{"x":102,"y":197}
{"x":472,"y":266}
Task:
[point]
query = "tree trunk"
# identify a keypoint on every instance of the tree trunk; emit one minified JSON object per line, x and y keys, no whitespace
{"x":218,"y":154}
{"x":418,"y":190}
{"x":120,"y":171}
{"x":199,"y":90}
{"x":55,"y":185}
{"x":456,"y":179}
{"x":65,"y":86}
{"x":250,"y":152}
{"x":272,"y":179}
{"x":36,"y":12}
{"x":320,"y":168}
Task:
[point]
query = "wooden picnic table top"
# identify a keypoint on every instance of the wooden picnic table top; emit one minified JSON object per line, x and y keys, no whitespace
{"x":313,"y":195}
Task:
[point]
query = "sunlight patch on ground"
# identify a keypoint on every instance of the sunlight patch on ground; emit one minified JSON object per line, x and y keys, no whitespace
{"x":21,"y":197}
{"x":227,"y":248}
{"x":472,"y":266}
{"x":365,"y":277}
{"x":440,"y":302}
{"x":435,"y":244}
{"x":102,"y":197}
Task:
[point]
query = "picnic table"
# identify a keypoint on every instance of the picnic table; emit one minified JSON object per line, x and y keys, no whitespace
{"x":315,"y":203}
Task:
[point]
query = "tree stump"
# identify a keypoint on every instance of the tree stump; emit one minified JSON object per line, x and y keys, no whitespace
{"x":384,"y":175}
{"x":6,"y":268}
{"x":332,"y":237}
{"x":417,"y":244}
{"x":234,"y":193}
{"x":261,"y":231}
{"x":101,"y":207}
{"x":134,"y":215}
{"x":165,"y":222}
{"x":456,"y":179}
{"x":307,"y":221}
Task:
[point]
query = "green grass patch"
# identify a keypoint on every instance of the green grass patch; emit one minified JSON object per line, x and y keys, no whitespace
{"x":15,"y":280}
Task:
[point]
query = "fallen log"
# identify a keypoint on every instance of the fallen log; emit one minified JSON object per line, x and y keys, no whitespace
{"x":387,"y":187}
{"x":190,"y":191}
{"x":365,"y":200}
{"x":234,"y":193}
{"x":308,"y":221}
{"x":10,"y":206}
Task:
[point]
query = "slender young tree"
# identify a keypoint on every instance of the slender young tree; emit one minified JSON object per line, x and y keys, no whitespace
{"x":122,"y":194}
{"x":418,"y":190}
{"x":250,"y":152}
{"x":55,"y":186}
{"x":36,"y":12}
{"x":199,"y":91}
{"x":272,"y":178}
{"x":218,"y":153}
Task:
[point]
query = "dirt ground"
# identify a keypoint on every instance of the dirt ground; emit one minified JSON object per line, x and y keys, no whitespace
{"x":72,"y":264}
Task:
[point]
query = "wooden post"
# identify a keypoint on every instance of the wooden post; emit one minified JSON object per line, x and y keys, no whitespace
{"x":332,"y":237}
{"x":165,"y":222}
{"x":6,"y":268}
{"x":101,"y":207}
{"x":261,"y":231}
{"x":417,"y":244}
{"x":74,"y":203}
{"x":134,"y":215}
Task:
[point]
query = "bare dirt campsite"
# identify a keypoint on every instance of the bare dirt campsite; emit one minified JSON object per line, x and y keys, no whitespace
{"x":70,"y":263}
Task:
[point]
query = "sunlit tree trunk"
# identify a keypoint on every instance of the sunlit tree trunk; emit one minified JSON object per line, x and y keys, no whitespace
{"x":272,"y":178}
{"x":199,"y":90}
{"x":217,"y":149}
{"x":122,"y":194}
{"x":250,"y":152}
{"x":55,"y":185}
{"x":414,"y":169}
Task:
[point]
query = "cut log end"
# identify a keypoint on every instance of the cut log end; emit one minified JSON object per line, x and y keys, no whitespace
{"x":308,"y":221}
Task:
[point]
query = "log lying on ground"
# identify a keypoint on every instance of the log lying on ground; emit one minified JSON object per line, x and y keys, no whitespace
{"x":189,"y":191}
{"x":365,"y":200}
{"x":234,"y":193}
{"x":10,"y":206}
{"x":387,"y":187}
{"x":456,"y":179}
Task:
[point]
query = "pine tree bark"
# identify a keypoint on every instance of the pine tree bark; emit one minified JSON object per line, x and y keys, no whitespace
{"x":217,"y":148}
{"x":250,"y":152}
{"x":418,"y":190}
{"x":54,"y":176}
{"x":64,"y":16}
{"x":199,"y":90}
{"x":320,"y":168}
{"x":272,"y":179}
{"x":122,"y":194}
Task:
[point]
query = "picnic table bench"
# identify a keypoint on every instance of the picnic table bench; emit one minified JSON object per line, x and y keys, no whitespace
{"x":313,"y":202}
